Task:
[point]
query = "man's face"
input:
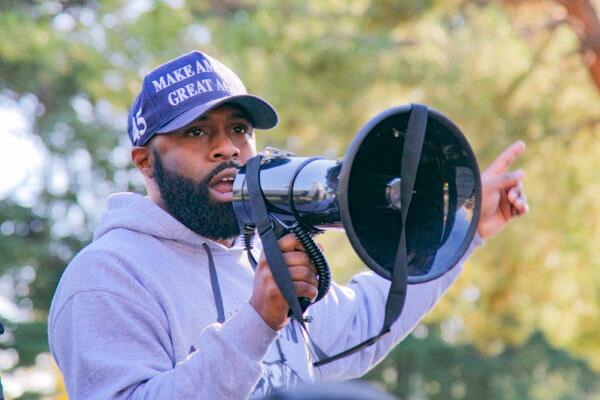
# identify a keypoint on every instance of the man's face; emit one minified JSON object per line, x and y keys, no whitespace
{"x":194,"y":169}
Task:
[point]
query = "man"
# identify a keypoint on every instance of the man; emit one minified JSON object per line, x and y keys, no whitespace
{"x":164,"y":303}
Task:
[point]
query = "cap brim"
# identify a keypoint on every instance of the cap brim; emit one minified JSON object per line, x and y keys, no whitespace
{"x":262,"y":114}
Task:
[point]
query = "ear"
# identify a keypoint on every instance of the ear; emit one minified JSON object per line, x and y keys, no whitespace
{"x":143,"y":160}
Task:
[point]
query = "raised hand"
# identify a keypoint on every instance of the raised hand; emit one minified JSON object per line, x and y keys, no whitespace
{"x":503,"y":196}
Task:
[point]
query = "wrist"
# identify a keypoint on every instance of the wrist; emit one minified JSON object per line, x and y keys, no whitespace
{"x":237,"y":328}
{"x":268,"y":316}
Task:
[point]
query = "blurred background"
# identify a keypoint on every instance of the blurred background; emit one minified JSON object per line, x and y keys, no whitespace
{"x":523,"y":320}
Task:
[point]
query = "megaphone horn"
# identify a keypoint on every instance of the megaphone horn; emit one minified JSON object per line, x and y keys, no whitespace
{"x":361,"y":194}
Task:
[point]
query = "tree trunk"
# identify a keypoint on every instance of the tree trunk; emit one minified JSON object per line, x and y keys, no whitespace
{"x":584,"y":20}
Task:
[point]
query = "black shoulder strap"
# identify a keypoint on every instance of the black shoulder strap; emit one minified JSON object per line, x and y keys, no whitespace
{"x":270,"y":245}
{"x":411,"y":155}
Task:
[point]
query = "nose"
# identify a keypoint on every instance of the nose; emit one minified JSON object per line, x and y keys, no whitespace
{"x":223,"y":148}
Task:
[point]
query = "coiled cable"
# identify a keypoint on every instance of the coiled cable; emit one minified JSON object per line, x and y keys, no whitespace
{"x":249,"y":244}
{"x":317,"y":257}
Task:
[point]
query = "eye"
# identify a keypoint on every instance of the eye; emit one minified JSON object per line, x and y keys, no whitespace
{"x":196,"y":131}
{"x":242,"y":130}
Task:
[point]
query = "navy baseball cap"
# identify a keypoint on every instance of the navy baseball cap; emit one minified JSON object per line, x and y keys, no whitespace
{"x":185,"y":88}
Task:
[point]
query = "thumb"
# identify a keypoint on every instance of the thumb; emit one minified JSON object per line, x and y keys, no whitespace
{"x":504,"y":181}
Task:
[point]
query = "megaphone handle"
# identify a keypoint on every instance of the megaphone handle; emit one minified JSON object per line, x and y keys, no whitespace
{"x":265,"y":227}
{"x":248,"y":234}
{"x":304,"y":304}
{"x":281,"y":230}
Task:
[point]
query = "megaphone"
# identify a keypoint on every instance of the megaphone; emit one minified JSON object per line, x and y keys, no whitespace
{"x":363,"y":194}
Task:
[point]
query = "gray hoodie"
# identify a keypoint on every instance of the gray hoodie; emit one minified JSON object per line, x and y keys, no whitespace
{"x":135,"y":316}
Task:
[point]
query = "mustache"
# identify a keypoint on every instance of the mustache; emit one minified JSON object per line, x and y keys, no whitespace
{"x":223,"y":166}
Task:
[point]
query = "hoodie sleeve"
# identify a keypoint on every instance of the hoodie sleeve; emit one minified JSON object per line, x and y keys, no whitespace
{"x":350,"y":315}
{"x":110,"y":346}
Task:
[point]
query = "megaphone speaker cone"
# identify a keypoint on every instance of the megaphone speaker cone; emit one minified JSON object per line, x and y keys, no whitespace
{"x":446,"y":201}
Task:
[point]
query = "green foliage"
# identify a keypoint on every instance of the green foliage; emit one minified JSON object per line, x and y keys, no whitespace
{"x":328,"y":67}
{"x":430,"y":368}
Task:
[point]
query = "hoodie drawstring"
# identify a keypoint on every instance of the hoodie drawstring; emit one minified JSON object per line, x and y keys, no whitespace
{"x":214,"y":283}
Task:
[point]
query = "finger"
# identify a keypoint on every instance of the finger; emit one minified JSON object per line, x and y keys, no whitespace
{"x":503,"y":162}
{"x":513,"y":195}
{"x":520,"y":206}
{"x":293,"y":258}
{"x":262,"y":261}
{"x":523,"y":198}
{"x":303,"y":273}
{"x":520,"y":201}
{"x":504,"y":205}
{"x":516,"y":192}
{"x":518,"y":211}
{"x":504,"y":182}
{"x":290,"y":242}
{"x":307,"y":290}
{"x":517,"y":206}
{"x":520,"y":187}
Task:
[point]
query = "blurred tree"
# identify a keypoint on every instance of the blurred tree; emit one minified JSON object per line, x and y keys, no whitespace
{"x":582,"y":17}
{"x":501,"y":73}
{"x":427,"y":367}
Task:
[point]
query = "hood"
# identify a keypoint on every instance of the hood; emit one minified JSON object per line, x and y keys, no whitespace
{"x":138,"y":213}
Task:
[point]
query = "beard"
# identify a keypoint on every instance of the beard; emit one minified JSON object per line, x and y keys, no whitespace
{"x":190,"y":204}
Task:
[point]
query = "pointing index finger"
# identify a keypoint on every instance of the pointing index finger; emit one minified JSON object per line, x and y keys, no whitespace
{"x":506,"y":158}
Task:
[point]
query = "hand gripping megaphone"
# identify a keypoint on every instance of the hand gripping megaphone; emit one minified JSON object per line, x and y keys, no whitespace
{"x":407,"y":193}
